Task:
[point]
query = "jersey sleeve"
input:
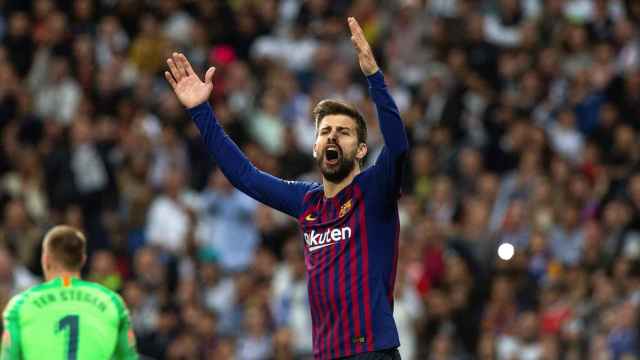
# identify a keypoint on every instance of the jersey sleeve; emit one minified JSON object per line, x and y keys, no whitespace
{"x":11,"y":346}
{"x":283,"y":195}
{"x":126,"y":341}
{"x":387,"y":170}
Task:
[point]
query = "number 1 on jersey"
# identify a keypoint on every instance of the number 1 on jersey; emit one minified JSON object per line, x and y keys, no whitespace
{"x":72,"y":322}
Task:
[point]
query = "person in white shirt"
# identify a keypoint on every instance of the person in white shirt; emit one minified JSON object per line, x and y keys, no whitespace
{"x":169,"y":217}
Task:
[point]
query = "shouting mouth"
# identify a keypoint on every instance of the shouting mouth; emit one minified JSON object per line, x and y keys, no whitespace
{"x":332,"y":155}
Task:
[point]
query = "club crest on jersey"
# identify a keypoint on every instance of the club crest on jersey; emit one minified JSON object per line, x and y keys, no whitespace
{"x":318,"y":240}
{"x":344,"y":209}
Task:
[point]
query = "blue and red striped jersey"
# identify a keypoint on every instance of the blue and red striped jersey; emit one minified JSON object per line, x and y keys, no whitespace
{"x":350,"y":240}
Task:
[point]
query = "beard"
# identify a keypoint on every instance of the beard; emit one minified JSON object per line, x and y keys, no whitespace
{"x":335,"y":173}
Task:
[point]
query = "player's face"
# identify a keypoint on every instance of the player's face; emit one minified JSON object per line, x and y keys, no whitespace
{"x":337,"y":149}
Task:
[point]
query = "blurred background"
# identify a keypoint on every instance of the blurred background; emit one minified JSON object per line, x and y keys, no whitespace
{"x":523,"y":116}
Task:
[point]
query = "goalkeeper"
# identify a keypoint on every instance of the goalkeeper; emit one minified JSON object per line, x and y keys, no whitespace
{"x":66,"y":318}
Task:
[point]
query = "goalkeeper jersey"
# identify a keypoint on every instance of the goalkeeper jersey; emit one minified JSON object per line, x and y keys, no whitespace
{"x":67,"y":319}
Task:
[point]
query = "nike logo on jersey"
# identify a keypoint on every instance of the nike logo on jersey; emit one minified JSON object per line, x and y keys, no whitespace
{"x":317,"y":241}
{"x":311,"y":218}
{"x":313,"y":248}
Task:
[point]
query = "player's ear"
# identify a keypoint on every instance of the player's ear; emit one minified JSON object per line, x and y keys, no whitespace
{"x":362,"y":151}
{"x":315,"y":152}
{"x":44,"y":262}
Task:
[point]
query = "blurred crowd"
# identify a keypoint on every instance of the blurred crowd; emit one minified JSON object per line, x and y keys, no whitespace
{"x":523,"y":117}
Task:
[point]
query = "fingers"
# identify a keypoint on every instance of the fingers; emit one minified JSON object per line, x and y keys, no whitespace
{"x":170,"y":79}
{"x":354,"y":25}
{"x":357,"y":35}
{"x":177,"y":59}
{"x":357,"y":44}
{"x":356,"y":30}
{"x":179,"y":67}
{"x":365,"y":55}
{"x":177,"y":74}
{"x":185,"y":64}
{"x":208,"y":77}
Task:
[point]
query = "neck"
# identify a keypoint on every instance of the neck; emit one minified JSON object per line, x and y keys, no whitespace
{"x":62,"y":273}
{"x":331,"y":189}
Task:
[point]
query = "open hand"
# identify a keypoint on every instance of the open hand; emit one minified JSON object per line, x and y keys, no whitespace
{"x":368,"y":63}
{"x":191,"y":91}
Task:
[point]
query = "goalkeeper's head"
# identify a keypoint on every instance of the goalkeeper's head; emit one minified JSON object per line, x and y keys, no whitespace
{"x":64,"y":252}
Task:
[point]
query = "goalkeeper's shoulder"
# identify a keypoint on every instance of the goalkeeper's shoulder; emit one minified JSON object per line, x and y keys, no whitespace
{"x":115,"y":299}
{"x":12,"y":306}
{"x":16,"y":302}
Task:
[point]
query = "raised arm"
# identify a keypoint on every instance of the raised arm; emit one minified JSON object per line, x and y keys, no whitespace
{"x":390,"y":161}
{"x":286,"y":196}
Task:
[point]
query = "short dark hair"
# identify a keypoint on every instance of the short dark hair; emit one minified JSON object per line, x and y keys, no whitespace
{"x":67,"y":246}
{"x":337,"y":107}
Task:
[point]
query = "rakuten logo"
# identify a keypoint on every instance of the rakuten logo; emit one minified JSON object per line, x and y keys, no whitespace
{"x":317,"y":241}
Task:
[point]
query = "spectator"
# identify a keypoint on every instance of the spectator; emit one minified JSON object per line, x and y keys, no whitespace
{"x":169,"y":218}
{"x":27,"y":182}
{"x":256,"y":344}
{"x":148,"y":48}
{"x":228,"y":225}
{"x":14,"y":277}
{"x":524,"y":343}
{"x":18,"y":42}
{"x":58,"y":98}
{"x":290,"y":302}
{"x":565,"y":137}
{"x":143,"y":310}
{"x":103,"y":270}
{"x":156,"y":342}
{"x":567,"y":239}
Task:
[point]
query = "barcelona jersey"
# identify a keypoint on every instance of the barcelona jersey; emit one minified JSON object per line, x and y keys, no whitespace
{"x":350,"y":240}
